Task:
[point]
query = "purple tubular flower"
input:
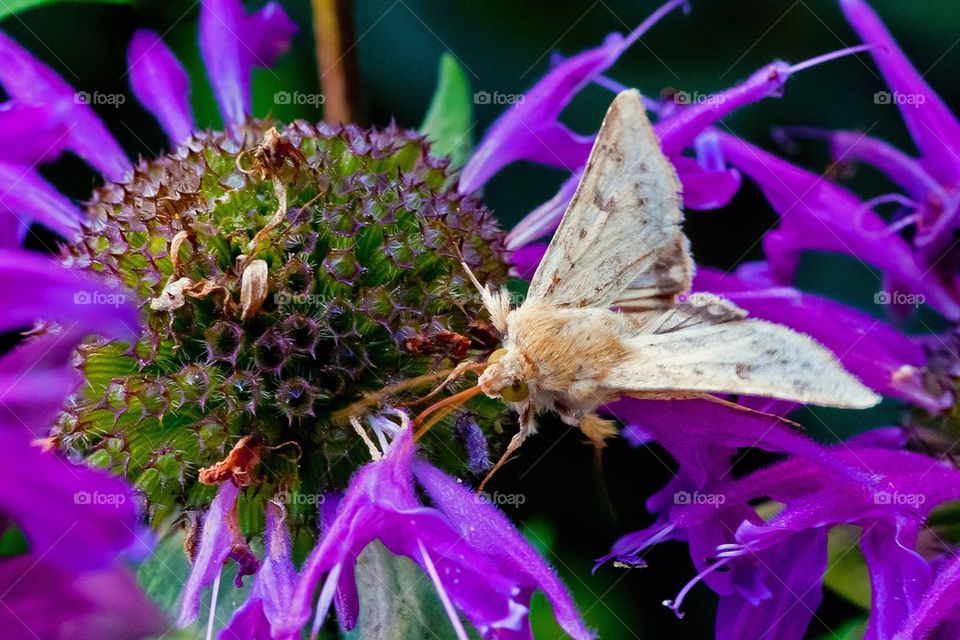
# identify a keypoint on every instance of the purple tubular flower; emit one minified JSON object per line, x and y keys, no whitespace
{"x":486,"y":530}
{"x":478,"y":563}
{"x":677,"y":131}
{"x":936,"y":205}
{"x":816,"y":214}
{"x":232,"y":43}
{"x":160,"y":84}
{"x":346,"y":599}
{"x":786,"y":601}
{"x":933,"y":127}
{"x":29,"y":82}
{"x":531,"y":130}
{"x":703,"y":437}
{"x":880,"y":356}
{"x":41,"y":600}
{"x":761,"y":557}
{"x":530,"y":127}
{"x":218,"y":542}
{"x":272,"y":587}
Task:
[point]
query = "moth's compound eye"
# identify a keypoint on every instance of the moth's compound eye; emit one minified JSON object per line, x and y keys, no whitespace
{"x":517,"y":392}
{"x":496,"y":356}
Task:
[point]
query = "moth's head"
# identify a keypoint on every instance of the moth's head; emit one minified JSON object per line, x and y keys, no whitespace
{"x":505,"y":376}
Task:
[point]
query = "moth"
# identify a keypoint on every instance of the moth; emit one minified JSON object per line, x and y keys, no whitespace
{"x":607,"y":313}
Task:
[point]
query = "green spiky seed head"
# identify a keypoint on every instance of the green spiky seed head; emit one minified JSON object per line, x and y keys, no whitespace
{"x":286,"y":282}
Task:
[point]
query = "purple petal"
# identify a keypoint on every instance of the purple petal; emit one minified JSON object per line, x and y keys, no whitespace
{"x":71,"y":515}
{"x":795,"y":572}
{"x":814,"y":499}
{"x":30,"y":82}
{"x":819,"y":215}
{"x":272,"y":588}
{"x":36,"y":287}
{"x":216,"y":540}
{"x":898,"y":577}
{"x":849,"y":146}
{"x":704,"y":189}
{"x":880,"y":356}
{"x":526,"y":259}
{"x":708,"y":424}
{"x":161,"y":84}
{"x":346,"y":600}
{"x":41,"y":600}
{"x":31,"y":134}
{"x":387,"y":481}
{"x":35,"y":377}
{"x":933,"y":127}
{"x":939,"y":605}
{"x":530,"y":130}
{"x":232,"y":42}
{"x":276,"y":576}
{"x":28,"y":198}
{"x":940,"y":207}
{"x":248,"y":621}
{"x":678,"y":131}
{"x":269,"y":32}
{"x":487,"y":530}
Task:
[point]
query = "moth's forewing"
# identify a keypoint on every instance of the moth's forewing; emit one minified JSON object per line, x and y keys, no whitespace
{"x":623,"y":224}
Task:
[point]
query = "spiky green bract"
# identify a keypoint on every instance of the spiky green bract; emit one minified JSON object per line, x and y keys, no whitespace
{"x":364,"y":278}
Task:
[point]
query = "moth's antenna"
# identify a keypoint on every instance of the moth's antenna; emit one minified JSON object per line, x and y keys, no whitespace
{"x":442,"y":408}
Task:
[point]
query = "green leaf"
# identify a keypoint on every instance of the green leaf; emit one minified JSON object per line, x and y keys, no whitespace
{"x":11,"y":7}
{"x":852,"y":630}
{"x":397,"y":599}
{"x":846,"y":570}
{"x":12,"y":543}
{"x":449,"y":120}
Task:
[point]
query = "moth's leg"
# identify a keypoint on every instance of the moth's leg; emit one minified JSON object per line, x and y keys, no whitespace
{"x":527,"y":426}
{"x":597,"y":429}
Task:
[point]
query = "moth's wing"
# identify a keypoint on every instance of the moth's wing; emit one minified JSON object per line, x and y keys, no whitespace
{"x":706,"y":344}
{"x":623,"y":224}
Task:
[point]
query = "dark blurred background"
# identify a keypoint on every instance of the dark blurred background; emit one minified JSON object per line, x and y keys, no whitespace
{"x":505,"y":45}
